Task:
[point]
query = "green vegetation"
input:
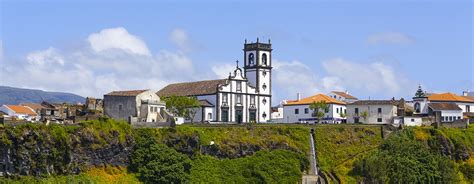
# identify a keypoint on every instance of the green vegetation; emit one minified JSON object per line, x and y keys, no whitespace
{"x":421,"y":155}
{"x":339,"y":146}
{"x":278,"y":166}
{"x":319,"y":108}
{"x":182,"y":106}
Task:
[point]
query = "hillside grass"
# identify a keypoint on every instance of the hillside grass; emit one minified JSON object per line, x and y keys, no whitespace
{"x":109,"y":174}
{"x":339,"y":146}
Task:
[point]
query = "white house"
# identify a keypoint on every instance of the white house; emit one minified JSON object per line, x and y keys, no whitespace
{"x":245,"y":96}
{"x":342,"y":96}
{"x":376,"y":111}
{"x":20,"y":112}
{"x":298,"y":111}
{"x":449,"y":112}
{"x":135,"y":106}
{"x":422,"y":102}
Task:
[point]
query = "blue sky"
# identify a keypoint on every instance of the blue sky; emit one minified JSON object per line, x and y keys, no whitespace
{"x":371,"y":48}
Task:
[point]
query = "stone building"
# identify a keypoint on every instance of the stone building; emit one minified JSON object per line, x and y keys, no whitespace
{"x":135,"y":106}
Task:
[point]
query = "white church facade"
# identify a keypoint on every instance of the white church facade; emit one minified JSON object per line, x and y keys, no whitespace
{"x":245,"y":96}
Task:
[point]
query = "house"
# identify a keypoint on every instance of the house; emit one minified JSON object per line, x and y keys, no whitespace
{"x":448,"y":112}
{"x":50,"y":112}
{"x":20,"y":112}
{"x":342,"y":96}
{"x":245,"y":96}
{"x":93,"y":105}
{"x":135,"y":106}
{"x":277,"y":113}
{"x":298,"y":111}
{"x":375,"y":111}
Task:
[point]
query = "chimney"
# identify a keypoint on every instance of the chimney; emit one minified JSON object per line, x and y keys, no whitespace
{"x":298,"y":96}
{"x":465,"y":93}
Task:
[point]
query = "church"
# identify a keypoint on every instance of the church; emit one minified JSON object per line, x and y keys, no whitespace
{"x":245,"y":96}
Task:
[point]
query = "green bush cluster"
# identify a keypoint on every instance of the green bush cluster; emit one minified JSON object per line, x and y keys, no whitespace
{"x":278,"y":166}
{"x":420,"y":155}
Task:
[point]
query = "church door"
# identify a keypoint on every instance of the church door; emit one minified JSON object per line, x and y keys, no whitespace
{"x":238,"y":116}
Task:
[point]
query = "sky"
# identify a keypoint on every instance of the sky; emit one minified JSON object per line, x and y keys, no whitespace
{"x":372,"y":49}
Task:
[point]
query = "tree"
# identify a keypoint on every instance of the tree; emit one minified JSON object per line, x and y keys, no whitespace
{"x":319,"y":108}
{"x":182,"y":106}
{"x":157,"y":163}
{"x":364,"y":115}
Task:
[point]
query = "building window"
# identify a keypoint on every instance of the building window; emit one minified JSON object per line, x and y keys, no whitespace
{"x":379,"y":120}
{"x":417,"y":107}
{"x":209,"y":116}
{"x":120,"y":107}
{"x":239,"y":86}
{"x":297,"y":111}
{"x":379,"y":110}
{"x":326,"y":110}
{"x":224,"y":98}
{"x":468,"y":108}
{"x":459,"y":117}
{"x":450,"y":118}
{"x":252,"y":100}
{"x":337,"y":110}
{"x":356,"y":111}
{"x":238,"y":99}
{"x":156,"y":109}
{"x":306,"y":110}
{"x":251,"y":59}
{"x":412,"y":120}
{"x":264,"y":59}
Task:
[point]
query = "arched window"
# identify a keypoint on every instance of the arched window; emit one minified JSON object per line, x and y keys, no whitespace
{"x":417,"y":107}
{"x":251,"y":59}
{"x":264,"y":59}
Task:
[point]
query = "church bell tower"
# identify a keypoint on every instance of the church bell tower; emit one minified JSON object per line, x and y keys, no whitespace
{"x":258,"y":65}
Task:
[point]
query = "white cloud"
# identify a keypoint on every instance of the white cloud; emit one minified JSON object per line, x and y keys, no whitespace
{"x":115,"y":65}
{"x":390,"y":38}
{"x":181,"y":39}
{"x":222,"y":70}
{"x":372,"y":78}
{"x":117,"y":38}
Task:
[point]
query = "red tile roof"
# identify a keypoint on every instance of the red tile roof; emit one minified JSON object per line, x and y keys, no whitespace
{"x":126,"y":93}
{"x":344,"y":94}
{"x":449,"y":97}
{"x":206,"y":87}
{"x":315,"y":98}
{"x":22,"y":110}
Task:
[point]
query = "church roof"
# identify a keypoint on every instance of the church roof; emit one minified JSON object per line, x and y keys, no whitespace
{"x":205,"y":103}
{"x":315,"y":98}
{"x":126,"y":93}
{"x":197,"y":88}
{"x":344,"y":94}
{"x":444,"y":106}
{"x":449,"y":97}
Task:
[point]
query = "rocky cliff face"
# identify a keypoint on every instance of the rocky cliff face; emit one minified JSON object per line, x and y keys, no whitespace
{"x":39,"y":151}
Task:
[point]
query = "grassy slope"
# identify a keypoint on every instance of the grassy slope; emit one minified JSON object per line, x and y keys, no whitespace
{"x":338,"y":146}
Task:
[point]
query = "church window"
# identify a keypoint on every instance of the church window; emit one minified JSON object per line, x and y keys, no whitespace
{"x":252,"y":100}
{"x":264,"y":86}
{"x":264,"y":101}
{"x":238,"y":99}
{"x":417,"y":107}
{"x":264,"y":59}
{"x":239,"y":86}
{"x":264,"y":73}
{"x":209,"y":116}
{"x":224,"y":98}
{"x":264,"y":115}
{"x":251,"y":59}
